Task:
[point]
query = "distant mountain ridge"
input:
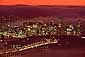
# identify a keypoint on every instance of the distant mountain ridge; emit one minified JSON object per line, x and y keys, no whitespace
{"x":42,"y":10}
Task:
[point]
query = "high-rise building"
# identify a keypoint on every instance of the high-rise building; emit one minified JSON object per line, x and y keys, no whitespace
{"x":79,"y":28}
{"x":61,"y":27}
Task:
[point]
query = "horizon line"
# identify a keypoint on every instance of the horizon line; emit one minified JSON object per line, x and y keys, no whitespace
{"x":36,"y":5}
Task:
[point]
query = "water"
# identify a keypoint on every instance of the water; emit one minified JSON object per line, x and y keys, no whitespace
{"x":57,"y":52}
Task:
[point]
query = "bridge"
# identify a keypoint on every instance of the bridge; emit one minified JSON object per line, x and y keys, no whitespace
{"x":41,"y":41}
{"x":29,"y":46}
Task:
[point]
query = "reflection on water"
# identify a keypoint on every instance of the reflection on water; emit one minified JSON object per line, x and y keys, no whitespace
{"x":72,"y":52}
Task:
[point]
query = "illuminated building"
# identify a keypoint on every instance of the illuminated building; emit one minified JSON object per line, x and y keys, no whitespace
{"x":61,"y":27}
{"x":40,"y":28}
{"x":69,"y":29}
{"x":79,"y":28}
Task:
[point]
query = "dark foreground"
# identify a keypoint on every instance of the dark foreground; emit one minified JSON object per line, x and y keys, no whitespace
{"x":56,"y":52}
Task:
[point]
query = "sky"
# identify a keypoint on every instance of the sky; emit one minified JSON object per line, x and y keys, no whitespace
{"x":43,"y":2}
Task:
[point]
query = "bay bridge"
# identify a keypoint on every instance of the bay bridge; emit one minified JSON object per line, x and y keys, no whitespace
{"x":18,"y":51}
{"x":36,"y":42}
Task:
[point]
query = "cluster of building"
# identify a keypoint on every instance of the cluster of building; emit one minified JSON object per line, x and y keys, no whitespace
{"x":40,"y":29}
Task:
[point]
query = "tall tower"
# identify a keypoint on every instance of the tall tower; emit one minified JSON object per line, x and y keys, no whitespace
{"x":60,"y":27}
{"x":78,"y":28}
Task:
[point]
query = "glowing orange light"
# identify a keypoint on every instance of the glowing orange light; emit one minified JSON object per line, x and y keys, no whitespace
{"x":43,"y":2}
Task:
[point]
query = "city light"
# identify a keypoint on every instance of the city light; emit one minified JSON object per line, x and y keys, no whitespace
{"x":83,"y":37}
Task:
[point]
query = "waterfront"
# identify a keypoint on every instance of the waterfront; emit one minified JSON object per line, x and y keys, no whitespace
{"x":65,"y":45}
